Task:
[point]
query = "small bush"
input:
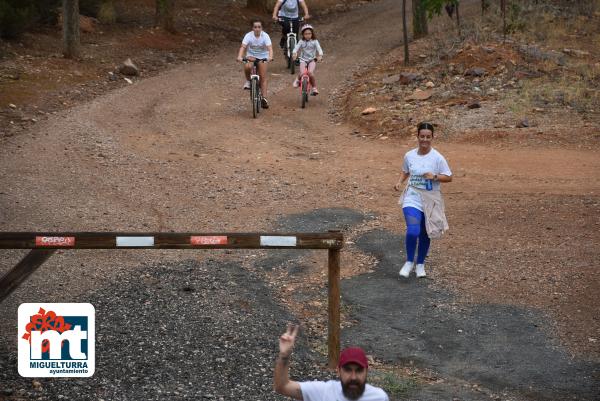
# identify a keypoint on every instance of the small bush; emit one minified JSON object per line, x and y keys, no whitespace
{"x":516,"y":18}
{"x":395,"y":384}
{"x":106,"y":13}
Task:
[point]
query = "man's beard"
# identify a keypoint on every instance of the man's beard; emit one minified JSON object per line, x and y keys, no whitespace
{"x":354,"y":392}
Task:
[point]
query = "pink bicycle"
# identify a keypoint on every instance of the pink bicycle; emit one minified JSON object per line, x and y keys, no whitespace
{"x":305,"y":86}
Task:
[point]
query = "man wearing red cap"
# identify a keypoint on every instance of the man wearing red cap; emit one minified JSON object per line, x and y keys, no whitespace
{"x":352,"y":372}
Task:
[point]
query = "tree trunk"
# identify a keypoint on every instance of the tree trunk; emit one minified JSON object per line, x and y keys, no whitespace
{"x":71,"y":28}
{"x":503,"y":9}
{"x":484,"y":6}
{"x":405,"y":32}
{"x":419,"y":19}
{"x":165,"y":15}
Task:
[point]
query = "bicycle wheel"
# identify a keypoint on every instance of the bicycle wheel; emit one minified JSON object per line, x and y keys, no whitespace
{"x":292,"y":62}
{"x":254,"y":96}
{"x":304,"y":92}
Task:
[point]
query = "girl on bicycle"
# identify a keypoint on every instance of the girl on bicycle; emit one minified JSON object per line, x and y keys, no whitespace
{"x":309,"y":49}
{"x":257,"y":45}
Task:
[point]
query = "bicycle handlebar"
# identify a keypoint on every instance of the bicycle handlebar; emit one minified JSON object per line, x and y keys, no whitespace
{"x":313,"y":60}
{"x":286,"y":19}
{"x":262,"y":60}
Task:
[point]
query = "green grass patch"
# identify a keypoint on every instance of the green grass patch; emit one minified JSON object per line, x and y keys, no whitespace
{"x":396,"y":385}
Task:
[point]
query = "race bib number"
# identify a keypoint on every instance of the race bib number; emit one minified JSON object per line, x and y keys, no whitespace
{"x":417,"y":181}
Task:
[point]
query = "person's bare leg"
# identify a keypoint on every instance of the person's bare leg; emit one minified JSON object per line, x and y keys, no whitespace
{"x":313,"y":80}
{"x":302,"y":68}
{"x":262,"y":72}
{"x":247,"y":70}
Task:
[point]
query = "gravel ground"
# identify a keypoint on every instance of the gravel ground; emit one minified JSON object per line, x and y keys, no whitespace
{"x":192,"y":330}
{"x":504,"y":349}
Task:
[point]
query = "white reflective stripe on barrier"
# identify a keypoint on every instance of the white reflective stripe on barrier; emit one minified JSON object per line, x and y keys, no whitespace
{"x":135,"y":241}
{"x":267,"y":240}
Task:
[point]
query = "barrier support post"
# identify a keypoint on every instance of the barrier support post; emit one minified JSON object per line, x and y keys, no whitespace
{"x":333,"y":340}
{"x":29,"y":264}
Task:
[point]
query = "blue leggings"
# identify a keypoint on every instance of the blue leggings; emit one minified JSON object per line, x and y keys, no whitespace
{"x":415,"y":229}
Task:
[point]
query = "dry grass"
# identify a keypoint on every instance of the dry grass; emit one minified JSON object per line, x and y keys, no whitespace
{"x":553,"y":27}
{"x":569,"y":91}
{"x":560,"y":27}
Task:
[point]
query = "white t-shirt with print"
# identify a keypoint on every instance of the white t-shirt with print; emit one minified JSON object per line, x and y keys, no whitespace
{"x":332,"y":391}
{"x":257,"y":46}
{"x":290,"y":9}
{"x":417,"y":165}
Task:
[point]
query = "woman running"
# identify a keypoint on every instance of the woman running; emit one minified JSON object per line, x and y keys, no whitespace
{"x":422,"y":202}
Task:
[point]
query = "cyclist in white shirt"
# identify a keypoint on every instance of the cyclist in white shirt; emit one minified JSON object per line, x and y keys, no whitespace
{"x":352,"y":371}
{"x":257,"y":45}
{"x":289,"y":10}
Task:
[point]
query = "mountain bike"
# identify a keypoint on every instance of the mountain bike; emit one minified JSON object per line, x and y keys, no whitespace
{"x":305,"y":86}
{"x":255,"y":92}
{"x":290,"y":42}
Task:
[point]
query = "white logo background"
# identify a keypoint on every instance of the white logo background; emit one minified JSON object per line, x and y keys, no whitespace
{"x":27,"y":310}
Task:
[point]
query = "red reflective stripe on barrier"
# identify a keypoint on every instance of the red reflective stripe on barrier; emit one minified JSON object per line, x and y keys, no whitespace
{"x":209,"y":240}
{"x":55,"y":241}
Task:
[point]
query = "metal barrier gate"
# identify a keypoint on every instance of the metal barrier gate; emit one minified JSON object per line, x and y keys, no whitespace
{"x":43,"y":245}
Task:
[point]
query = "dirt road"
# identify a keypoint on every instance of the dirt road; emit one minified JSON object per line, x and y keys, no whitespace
{"x":181,"y":152}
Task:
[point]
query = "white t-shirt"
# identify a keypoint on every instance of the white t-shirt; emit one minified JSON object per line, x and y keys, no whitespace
{"x":309,"y":50}
{"x":417,"y":165}
{"x":290,"y":9}
{"x":332,"y":391}
{"x":257,"y":46}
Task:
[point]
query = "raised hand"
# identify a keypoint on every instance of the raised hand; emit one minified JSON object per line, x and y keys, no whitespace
{"x":288,"y":339}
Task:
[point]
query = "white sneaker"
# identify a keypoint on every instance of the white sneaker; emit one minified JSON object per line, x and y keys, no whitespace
{"x":406,"y":269}
{"x":247,"y":85}
{"x":421,"y":271}
{"x":296,"y":83}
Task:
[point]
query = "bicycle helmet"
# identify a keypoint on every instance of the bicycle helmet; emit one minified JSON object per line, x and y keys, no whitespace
{"x":305,"y":27}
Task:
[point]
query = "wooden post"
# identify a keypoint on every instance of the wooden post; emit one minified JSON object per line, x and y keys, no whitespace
{"x":71,"y":28}
{"x":14,"y":277}
{"x":333,"y":339}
